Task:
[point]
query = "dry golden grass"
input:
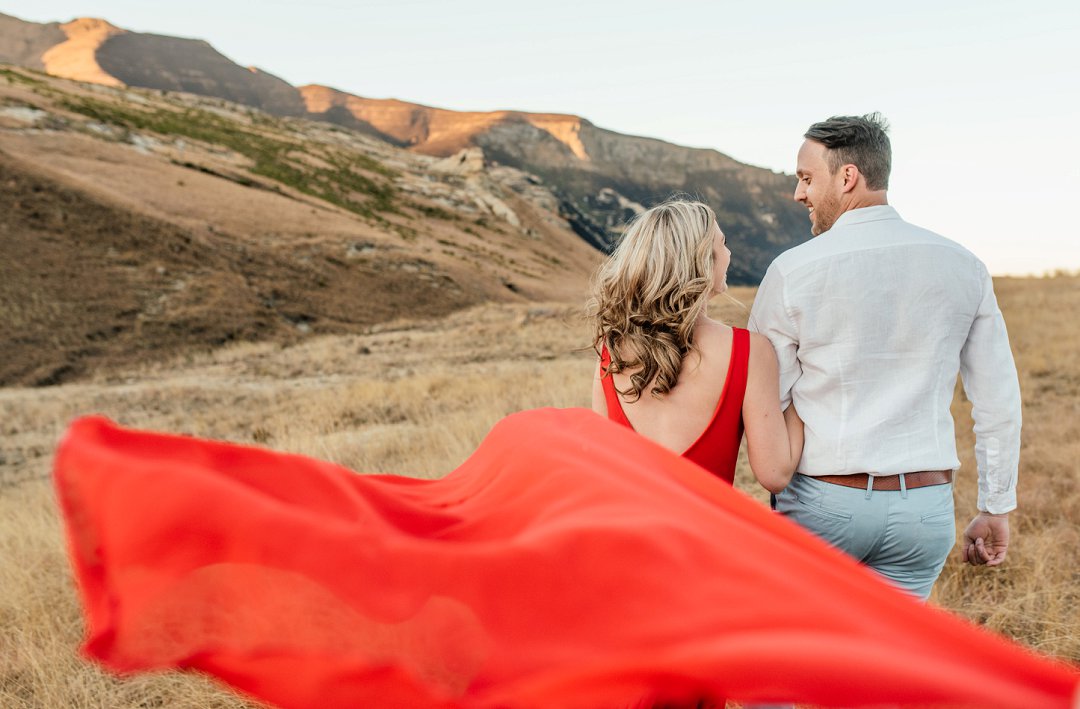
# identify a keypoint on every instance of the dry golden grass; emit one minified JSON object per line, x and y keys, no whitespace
{"x":416,"y":398}
{"x":1035,"y":596}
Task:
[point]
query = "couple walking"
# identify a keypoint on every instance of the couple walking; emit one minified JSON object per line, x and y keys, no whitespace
{"x":863,"y":330}
{"x":571,"y":562}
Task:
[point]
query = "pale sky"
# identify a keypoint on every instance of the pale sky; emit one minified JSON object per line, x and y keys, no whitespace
{"x":983,"y":96}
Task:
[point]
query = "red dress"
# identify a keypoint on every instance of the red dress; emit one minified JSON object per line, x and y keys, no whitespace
{"x":717,"y":448}
{"x":567,"y":563}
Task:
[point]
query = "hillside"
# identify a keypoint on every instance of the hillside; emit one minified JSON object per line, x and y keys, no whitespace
{"x":602,"y":176}
{"x":599,"y":177}
{"x":141,"y":224}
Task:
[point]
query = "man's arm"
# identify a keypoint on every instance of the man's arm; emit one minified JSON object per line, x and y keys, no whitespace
{"x":990,"y":381}
{"x":770,"y":317}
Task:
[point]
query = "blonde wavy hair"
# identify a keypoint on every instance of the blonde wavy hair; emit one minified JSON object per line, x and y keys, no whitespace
{"x":648,"y":295}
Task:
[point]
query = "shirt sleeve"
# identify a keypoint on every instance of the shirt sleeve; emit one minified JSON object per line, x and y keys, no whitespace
{"x":770,"y":317}
{"x":989,"y":375}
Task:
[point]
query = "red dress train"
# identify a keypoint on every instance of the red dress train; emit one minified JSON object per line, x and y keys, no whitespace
{"x":568,"y":563}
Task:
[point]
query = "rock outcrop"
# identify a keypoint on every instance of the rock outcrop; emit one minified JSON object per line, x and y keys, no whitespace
{"x":77,"y":57}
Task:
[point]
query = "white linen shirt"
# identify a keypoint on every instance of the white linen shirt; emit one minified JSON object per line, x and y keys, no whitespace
{"x":871,"y":322}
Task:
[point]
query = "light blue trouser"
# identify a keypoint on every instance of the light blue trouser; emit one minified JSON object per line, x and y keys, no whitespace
{"x":904,"y":535}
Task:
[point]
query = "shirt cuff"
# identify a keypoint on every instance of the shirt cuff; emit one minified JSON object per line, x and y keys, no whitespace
{"x":997,"y":502}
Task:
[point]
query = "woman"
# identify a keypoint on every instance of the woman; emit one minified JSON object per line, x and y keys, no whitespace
{"x":673,"y":374}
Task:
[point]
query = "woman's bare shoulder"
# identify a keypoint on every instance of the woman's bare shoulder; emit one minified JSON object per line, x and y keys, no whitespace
{"x":712,"y":331}
{"x":712,"y":340}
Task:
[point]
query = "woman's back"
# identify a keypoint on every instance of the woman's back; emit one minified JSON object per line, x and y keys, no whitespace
{"x":701,"y":416}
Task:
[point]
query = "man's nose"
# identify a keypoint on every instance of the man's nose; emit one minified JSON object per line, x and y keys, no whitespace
{"x":800,"y":193}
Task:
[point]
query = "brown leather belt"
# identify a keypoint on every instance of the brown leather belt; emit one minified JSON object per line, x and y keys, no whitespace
{"x":923,"y":478}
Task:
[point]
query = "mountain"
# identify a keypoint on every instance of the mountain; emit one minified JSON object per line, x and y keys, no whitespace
{"x":24,"y":43}
{"x":599,"y":177}
{"x":603,"y":176}
{"x":93,"y":50}
{"x":141,"y":225}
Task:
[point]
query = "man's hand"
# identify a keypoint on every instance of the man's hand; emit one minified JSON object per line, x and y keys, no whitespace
{"x":986,"y":539}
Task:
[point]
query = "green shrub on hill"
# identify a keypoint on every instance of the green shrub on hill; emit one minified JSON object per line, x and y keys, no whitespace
{"x":340,"y":184}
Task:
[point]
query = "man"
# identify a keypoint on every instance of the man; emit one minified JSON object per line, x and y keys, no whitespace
{"x":871,"y":321}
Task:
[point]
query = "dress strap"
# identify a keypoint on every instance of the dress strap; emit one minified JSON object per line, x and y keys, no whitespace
{"x":611,"y":397}
{"x":740,"y":366}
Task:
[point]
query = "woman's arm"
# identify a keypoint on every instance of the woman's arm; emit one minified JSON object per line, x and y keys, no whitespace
{"x":599,"y":404}
{"x":774,"y":440}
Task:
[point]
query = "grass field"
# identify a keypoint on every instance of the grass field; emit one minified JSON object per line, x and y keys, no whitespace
{"x":415,"y":398}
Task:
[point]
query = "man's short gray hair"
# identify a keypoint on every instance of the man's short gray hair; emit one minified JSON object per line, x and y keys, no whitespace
{"x":862,"y":141}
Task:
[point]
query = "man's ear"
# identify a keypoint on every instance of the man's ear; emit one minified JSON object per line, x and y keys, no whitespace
{"x":851,"y":177}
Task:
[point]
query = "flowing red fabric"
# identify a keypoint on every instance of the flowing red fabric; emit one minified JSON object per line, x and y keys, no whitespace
{"x":568,"y":563}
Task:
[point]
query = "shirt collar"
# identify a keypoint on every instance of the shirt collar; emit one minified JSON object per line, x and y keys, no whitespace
{"x":866,"y":214}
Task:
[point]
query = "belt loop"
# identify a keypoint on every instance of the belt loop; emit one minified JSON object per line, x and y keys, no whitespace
{"x":869,"y":486}
{"x":903,"y":486}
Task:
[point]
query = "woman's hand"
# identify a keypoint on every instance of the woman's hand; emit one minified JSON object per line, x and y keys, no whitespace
{"x":794,"y":426}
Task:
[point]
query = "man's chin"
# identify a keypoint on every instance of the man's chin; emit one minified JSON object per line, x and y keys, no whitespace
{"x":820,"y":226}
